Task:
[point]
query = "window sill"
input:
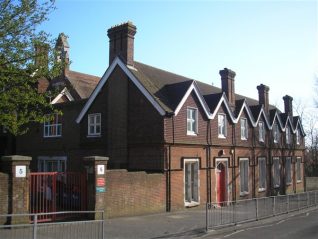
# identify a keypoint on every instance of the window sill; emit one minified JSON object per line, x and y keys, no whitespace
{"x":191,"y":204}
{"x":288,"y":184}
{"x":260,"y":190}
{"x":244,"y":139}
{"x":243,"y":194}
{"x":221,"y":136}
{"x":93,"y":136}
{"x":276,"y":186}
{"x":299,"y":181}
{"x":55,"y":136}
{"x":192,"y":134}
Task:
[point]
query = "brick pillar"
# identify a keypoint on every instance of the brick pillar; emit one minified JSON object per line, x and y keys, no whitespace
{"x":17,"y":168}
{"x":96,"y":184}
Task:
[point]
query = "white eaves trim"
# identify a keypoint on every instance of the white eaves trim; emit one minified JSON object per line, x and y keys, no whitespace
{"x":102,"y":82}
{"x":59,"y":96}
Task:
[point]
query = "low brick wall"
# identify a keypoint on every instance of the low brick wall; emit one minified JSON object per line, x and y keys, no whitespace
{"x":4,"y":190}
{"x":134,"y":193}
{"x":311,"y":183}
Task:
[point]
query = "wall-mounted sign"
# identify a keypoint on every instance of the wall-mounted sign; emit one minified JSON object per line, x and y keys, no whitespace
{"x":20,"y":171}
{"x":100,"y":189}
{"x":100,"y":182}
{"x":100,"y":169}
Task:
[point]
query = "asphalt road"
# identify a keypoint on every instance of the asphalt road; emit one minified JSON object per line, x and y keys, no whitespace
{"x":302,"y":226}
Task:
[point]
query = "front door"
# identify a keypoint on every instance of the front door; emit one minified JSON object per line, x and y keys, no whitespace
{"x":221,"y":183}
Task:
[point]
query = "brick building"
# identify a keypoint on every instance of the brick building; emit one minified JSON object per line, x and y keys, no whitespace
{"x":208,"y":144}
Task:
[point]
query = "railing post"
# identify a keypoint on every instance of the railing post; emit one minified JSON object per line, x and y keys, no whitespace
{"x":274,"y":206}
{"x":288,"y":203}
{"x":103,"y":225}
{"x":35,"y":225}
{"x":206,"y":216}
{"x":298,"y":201}
{"x":307,"y":199}
{"x":256,"y":204}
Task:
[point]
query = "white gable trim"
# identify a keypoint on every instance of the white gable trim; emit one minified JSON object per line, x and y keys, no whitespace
{"x":59,"y":96}
{"x":227,"y":106}
{"x":194,"y":88}
{"x":109,"y":71}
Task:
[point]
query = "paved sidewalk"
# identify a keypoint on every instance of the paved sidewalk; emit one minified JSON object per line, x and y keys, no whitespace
{"x":185,"y":224}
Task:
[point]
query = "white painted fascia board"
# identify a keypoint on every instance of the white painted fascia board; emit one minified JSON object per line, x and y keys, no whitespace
{"x":104,"y":79}
{"x":299,"y":125}
{"x":227,"y":106}
{"x":59,"y":96}
{"x":262,"y":112}
{"x":249,"y":113}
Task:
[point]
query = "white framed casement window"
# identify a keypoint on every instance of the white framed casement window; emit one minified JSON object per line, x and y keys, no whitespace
{"x":276,"y":133}
{"x":298,"y":169}
{"x":261,"y":131}
{"x":191,"y":182}
{"x":52,"y":127}
{"x":94,"y":124}
{"x":192,"y":121}
{"x":287,"y":132}
{"x":243,"y":176}
{"x":244,"y":129}
{"x":52,"y":164}
{"x":222,"y":126}
{"x":297,"y":137}
{"x":288,"y":170}
{"x":261,"y":174}
{"x":276,"y":172}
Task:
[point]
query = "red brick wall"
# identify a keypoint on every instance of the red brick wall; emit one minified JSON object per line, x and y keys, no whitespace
{"x":4,"y":190}
{"x":134,"y":193}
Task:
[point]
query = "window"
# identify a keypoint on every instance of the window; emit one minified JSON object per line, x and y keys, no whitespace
{"x":298,"y":169}
{"x":288,"y":170}
{"x":243,"y":176}
{"x":53,"y":127}
{"x":287,"y":135}
{"x":297,"y":137}
{"x":222,"y":125}
{"x":94,"y":124}
{"x":52,"y":164}
{"x":191,"y":182}
{"x":276,"y":133}
{"x":261,"y":131}
{"x":192,"y":121}
{"x":276,"y":172}
{"x":244,"y":129}
{"x":261,"y":174}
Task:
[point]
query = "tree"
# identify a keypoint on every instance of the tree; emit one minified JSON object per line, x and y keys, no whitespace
{"x":26,"y":55}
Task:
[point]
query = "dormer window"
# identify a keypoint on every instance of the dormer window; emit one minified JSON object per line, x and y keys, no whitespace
{"x":297,"y":137}
{"x":261,"y":131}
{"x":287,"y":135}
{"x":94,"y":124}
{"x":244,"y":129}
{"x":222,"y":132}
{"x":53,"y":126}
{"x":276,"y":133}
{"x":192,"y":121}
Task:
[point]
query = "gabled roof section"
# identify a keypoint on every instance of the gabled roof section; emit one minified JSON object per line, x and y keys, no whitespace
{"x":297,"y":124}
{"x":65,"y":93}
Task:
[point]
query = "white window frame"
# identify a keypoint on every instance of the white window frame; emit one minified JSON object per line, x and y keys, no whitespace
{"x":287,"y":132}
{"x":297,"y":137}
{"x":288,"y":171}
{"x":222,"y":126}
{"x":276,"y":134}
{"x":262,"y":167}
{"x":94,"y":124}
{"x":261,"y":131}
{"x":49,"y":127}
{"x":197,"y":201}
{"x":298,"y":169}
{"x":244,"y":129}
{"x":43,"y":161}
{"x":245,"y":177}
{"x":193,"y":130}
{"x":276,"y":172}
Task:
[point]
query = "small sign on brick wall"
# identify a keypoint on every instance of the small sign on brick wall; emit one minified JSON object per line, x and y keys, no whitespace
{"x":100,"y":169}
{"x":100,"y":189}
{"x":100,"y":182}
{"x":20,"y":171}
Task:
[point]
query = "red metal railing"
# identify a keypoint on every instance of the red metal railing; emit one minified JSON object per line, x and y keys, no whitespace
{"x":54,"y":191}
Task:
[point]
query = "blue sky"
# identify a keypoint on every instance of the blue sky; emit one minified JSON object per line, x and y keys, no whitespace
{"x":269,"y":42}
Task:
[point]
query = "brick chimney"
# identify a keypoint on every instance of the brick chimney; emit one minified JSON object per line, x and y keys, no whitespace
{"x":263,"y":96}
{"x":227,"y":79}
{"x":41,"y":55}
{"x":63,"y":48}
{"x":288,"y":103}
{"x":121,"y":42}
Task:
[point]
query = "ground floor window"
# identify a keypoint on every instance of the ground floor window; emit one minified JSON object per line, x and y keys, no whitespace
{"x":243,"y":176}
{"x":191,"y":181}
{"x":288,"y":170}
{"x":52,"y":164}
{"x":298,"y":169}
{"x":261,"y":174}
{"x":276,"y":172}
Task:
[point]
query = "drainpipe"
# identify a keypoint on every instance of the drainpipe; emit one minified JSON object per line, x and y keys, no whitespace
{"x":254,"y":164}
{"x":234,"y":164}
{"x":168,"y":166}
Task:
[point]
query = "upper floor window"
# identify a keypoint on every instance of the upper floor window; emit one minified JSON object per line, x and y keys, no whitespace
{"x":53,"y":127}
{"x":261,"y":131}
{"x":222,"y":132}
{"x":297,"y":137}
{"x":276,"y":172}
{"x":276,"y":133}
{"x":287,"y":135}
{"x":288,"y":170}
{"x":94,"y":124}
{"x":192,"y":121}
{"x":244,"y":129}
